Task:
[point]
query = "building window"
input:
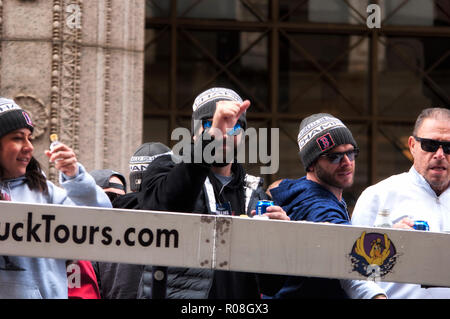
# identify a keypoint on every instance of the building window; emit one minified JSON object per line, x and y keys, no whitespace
{"x":295,"y":58}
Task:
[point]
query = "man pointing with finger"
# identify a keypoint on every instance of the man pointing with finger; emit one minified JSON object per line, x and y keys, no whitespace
{"x":217,"y":186}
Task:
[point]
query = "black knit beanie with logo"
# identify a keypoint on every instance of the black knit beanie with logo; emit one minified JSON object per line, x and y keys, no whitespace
{"x":13,"y":117}
{"x":319,"y":133}
{"x":144,"y":155}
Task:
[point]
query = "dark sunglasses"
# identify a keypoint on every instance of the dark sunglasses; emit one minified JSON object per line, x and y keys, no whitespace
{"x":432,"y":146}
{"x":236,"y":130}
{"x":115,"y":185}
{"x":336,"y":158}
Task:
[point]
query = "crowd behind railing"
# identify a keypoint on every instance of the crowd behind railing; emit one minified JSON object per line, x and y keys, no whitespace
{"x":161,"y":180}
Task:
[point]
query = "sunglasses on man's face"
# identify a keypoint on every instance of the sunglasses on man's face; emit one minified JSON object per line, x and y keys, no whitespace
{"x":236,"y":130}
{"x":336,"y":158}
{"x":429,"y":145}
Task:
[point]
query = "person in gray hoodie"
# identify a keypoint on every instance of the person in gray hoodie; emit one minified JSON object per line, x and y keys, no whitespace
{"x":22,"y":180}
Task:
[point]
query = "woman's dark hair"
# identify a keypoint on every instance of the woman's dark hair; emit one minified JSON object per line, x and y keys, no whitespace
{"x":35,"y":178}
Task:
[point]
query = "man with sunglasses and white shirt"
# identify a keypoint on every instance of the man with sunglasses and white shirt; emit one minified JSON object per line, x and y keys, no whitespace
{"x":328,"y":151}
{"x":422,"y":193}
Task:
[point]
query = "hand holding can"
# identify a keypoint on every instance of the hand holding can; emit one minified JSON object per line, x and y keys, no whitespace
{"x":262,"y":205}
{"x":421,"y":225}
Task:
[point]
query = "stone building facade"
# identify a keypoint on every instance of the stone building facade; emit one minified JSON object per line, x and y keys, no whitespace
{"x":77,"y":67}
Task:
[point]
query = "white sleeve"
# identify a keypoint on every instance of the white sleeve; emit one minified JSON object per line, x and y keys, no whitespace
{"x":361,"y":289}
{"x":364,"y":214}
{"x":366,"y":208}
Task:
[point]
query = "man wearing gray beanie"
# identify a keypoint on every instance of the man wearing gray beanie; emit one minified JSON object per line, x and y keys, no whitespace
{"x":319,"y":133}
{"x":215,"y":188}
{"x":328,"y":151}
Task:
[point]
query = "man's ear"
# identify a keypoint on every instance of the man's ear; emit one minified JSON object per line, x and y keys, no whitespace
{"x":311,"y":167}
{"x":412,"y":143}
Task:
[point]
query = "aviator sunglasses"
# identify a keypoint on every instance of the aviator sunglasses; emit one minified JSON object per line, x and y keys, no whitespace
{"x":234,"y":131}
{"x":336,"y":158}
{"x":429,"y":145}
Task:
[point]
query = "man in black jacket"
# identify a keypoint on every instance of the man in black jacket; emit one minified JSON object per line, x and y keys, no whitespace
{"x":121,"y":280}
{"x":200,"y":187}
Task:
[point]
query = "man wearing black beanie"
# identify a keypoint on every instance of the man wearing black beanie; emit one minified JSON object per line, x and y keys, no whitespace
{"x":121,"y":280}
{"x":328,"y":152}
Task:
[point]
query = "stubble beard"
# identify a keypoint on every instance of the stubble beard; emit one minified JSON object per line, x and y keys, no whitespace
{"x":328,"y":178}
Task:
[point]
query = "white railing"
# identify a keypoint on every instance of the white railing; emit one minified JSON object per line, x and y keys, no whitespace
{"x":224,"y":243}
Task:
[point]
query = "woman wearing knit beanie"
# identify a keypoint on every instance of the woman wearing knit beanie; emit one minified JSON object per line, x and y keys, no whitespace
{"x":22,"y":180}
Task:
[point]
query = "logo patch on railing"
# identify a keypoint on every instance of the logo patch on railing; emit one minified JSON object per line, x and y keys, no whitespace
{"x":373,"y":255}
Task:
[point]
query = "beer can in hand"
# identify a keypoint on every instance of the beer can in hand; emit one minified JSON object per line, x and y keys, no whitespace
{"x":421,"y":225}
{"x":262,"y":205}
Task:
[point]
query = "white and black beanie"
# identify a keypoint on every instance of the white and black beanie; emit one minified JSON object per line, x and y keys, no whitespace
{"x":320,"y":133}
{"x":144,"y":155}
{"x":205,"y":105}
{"x":13,"y":117}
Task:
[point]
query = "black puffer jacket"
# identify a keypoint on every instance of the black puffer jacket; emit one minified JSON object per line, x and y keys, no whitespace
{"x":119,"y":280}
{"x":187,"y":187}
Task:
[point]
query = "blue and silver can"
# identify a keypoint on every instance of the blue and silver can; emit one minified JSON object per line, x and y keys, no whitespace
{"x":262,"y":205}
{"x":421,"y":225}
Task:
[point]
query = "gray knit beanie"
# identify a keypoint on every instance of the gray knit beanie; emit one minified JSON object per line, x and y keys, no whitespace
{"x":320,"y":133}
{"x":13,"y":117}
{"x":144,"y":155}
{"x":205,"y":105}
{"x":102,"y":176}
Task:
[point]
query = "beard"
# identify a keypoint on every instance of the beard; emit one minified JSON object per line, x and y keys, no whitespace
{"x":230,"y":148}
{"x":331,"y":178}
{"x":225,"y":151}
